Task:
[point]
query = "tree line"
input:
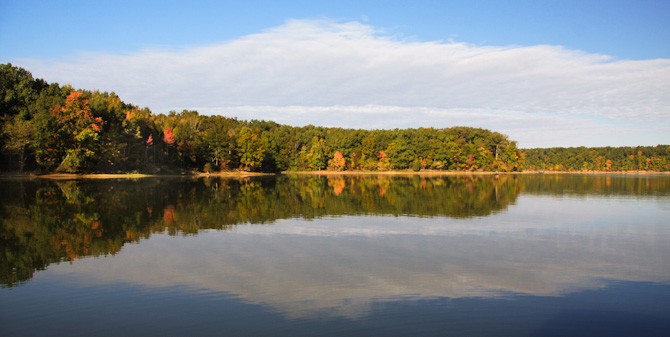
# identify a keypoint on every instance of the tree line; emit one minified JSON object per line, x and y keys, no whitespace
{"x":46,"y":127}
{"x":608,"y":159}
{"x":51,"y":128}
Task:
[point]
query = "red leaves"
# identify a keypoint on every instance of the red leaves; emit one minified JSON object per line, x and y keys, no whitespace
{"x":76,"y":114}
{"x":168,"y":136}
{"x":74,"y":97}
{"x":97,"y":125}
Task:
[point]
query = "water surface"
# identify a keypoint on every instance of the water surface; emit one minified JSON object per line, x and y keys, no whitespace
{"x":307,"y":255}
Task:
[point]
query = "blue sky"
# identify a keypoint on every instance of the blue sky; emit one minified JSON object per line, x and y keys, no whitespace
{"x":547,"y":73}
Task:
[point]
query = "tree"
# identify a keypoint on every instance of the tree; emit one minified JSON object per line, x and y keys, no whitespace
{"x":149,"y":142}
{"x":18,"y":90}
{"x":400,"y":154}
{"x":19,"y":136}
{"x":383,"y":164}
{"x":218,"y":134}
{"x":338,"y":162}
{"x":79,"y":132}
{"x":168,"y":136}
{"x":168,"y":139}
{"x":250,"y":148}
{"x":317,"y":154}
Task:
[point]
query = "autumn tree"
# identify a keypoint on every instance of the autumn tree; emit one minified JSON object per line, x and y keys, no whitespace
{"x":338,"y":162}
{"x":168,"y":139}
{"x":123,"y":133}
{"x":383,"y":164}
{"x":168,"y":136}
{"x":78,"y":132}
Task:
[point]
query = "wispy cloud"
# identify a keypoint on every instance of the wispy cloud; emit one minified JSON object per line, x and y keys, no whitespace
{"x":353,"y":75}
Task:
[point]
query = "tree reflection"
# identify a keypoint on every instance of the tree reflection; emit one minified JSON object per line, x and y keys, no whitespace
{"x":46,"y":222}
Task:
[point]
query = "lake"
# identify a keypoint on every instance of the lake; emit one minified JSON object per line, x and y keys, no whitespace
{"x":303,"y":255}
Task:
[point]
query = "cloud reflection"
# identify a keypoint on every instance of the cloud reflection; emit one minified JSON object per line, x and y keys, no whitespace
{"x":342,"y":266}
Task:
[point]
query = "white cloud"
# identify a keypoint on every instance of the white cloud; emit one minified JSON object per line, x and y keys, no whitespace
{"x":352,"y":75}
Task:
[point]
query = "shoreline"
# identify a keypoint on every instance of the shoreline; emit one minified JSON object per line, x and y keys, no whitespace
{"x":234,"y":174}
{"x":450,"y":173}
{"x":641,"y":172}
{"x":71,"y":176}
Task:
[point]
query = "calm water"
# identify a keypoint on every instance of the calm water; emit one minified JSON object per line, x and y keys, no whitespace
{"x":544,"y":255}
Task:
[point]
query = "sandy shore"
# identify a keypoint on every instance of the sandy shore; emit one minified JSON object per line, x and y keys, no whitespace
{"x":68,"y":176}
{"x":235,"y":174}
{"x":596,"y":172}
{"x":439,"y":173}
{"x":408,"y":172}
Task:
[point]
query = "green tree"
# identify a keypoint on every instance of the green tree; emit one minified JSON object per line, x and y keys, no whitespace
{"x":19,"y":137}
{"x":317,"y":154}
{"x":18,"y":90}
{"x":218,"y":137}
{"x":250,"y":149}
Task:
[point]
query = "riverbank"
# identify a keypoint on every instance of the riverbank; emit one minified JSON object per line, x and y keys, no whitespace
{"x":443,"y":173}
{"x":242,"y":174}
{"x":597,"y":172}
{"x":406,"y":172}
{"x":69,"y":176}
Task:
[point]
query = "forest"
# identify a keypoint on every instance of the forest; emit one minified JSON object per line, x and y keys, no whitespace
{"x":607,"y":159}
{"x":51,"y":128}
{"x":46,"y":127}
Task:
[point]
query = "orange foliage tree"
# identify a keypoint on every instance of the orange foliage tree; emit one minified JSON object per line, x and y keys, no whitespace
{"x":78,"y":133}
{"x":338,"y":162}
{"x":384,"y":163}
{"x":168,"y":136}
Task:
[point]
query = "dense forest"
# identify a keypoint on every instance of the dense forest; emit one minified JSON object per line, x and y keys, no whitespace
{"x":609,"y":159}
{"x":46,"y":127}
{"x":52,"y":128}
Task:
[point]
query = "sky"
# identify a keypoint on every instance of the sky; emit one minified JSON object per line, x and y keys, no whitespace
{"x":545,"y":73}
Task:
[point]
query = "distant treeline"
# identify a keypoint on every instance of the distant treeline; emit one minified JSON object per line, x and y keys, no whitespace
{"x":52,"y":128}
{"x":613,"y":159}
{"x":46,"y":127}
